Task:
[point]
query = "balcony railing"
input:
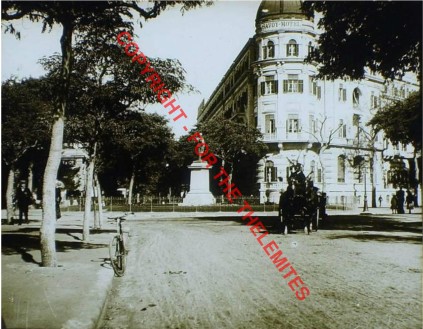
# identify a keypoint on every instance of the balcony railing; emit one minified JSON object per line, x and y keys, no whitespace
{"x":270,"y":137}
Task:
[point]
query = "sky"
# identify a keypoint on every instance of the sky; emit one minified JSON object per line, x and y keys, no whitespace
{"x":205,"y":40}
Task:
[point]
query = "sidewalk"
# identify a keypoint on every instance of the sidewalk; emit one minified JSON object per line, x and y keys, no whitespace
{"x":69,"y":296}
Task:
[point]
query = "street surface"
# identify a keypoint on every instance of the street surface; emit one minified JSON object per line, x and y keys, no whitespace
{"x":363,"y":272}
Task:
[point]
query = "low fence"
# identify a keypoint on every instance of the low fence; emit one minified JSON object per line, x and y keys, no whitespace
{"x":174,"y":204}
{"x":166,"y":204}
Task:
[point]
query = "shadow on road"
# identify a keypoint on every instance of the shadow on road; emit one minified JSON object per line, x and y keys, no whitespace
{"x":382,"y":228}
{"x":371,"y":223}
{"x":365,"y":237}
{"x":20,"y":243}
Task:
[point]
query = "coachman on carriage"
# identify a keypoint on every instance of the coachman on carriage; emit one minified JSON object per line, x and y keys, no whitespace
{"x":301,"y":200}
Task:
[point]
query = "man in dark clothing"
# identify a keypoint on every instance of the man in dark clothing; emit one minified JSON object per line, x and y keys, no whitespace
{"x":409,"y":201}
{"x":400,"y":200}
{"x":298,"y":179}
{"x":23,"y":199}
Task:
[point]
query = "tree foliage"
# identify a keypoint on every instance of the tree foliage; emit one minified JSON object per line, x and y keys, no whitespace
{"x":24,"y":102}
{"x":238,"y":146}
{"x":135,"y":143}
{"x":228,"y":140}
{"x":402,"y":121}
{"x":385,"y":36}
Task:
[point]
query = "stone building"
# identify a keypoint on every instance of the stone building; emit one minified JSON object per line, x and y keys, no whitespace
{"x":318,"y":123}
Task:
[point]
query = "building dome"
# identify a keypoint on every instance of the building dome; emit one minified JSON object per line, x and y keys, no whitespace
{"x":279,"y":9}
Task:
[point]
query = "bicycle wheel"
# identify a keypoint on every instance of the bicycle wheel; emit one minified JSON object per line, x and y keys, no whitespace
{"x":117,"y":255}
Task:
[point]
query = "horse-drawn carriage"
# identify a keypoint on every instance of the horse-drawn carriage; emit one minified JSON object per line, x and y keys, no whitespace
{"x":301,"y":202}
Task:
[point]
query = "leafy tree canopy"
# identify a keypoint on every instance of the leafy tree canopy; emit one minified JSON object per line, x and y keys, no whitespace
{"x":385,"y":36}
{"x":135,"y":143}
{"x":402,"y":121}
{"x":24,"y":102}
{"x":229,"y":140}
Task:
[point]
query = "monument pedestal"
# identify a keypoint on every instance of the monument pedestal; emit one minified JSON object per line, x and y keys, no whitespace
{"x":199,"y":191}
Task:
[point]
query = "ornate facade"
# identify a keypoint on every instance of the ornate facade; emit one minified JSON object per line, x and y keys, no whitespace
{"x":318,"y":123}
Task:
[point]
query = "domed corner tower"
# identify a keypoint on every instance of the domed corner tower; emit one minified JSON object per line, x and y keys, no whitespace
{"x":285,"y":107}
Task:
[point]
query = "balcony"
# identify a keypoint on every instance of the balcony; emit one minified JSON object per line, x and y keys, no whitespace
{"x":270,"y":137}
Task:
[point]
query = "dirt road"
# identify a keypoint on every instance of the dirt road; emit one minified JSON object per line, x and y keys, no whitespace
{"x":205,"y":273}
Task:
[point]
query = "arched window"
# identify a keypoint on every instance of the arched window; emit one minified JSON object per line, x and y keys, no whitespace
{"x":356,"y":96}
{"x":292,"y":48}
{"x":270,"y":49}
{"x":341,"y":169}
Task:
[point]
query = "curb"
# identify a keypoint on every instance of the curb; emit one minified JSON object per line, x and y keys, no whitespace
{"x":94,"y":301}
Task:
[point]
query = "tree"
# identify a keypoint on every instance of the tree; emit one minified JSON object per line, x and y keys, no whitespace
{"x":177,"y":173}
{"x":73,"y":17}
{"x":323,"y":137}
{"x":230,"y":141}
{"x":138,"y":143}
{"x":22,"y":102}
{"x":103,"y":85}
{"x":384,"y":36}
{"x":402,"y":123}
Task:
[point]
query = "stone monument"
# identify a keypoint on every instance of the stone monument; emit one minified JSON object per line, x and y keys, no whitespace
{"x":199,"y":189}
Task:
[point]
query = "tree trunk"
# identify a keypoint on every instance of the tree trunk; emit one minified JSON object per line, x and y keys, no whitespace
{"x":319,"y":156}
{"x":230,"y":179}
{"x":414,"y":177}
{"x":9,"y":194}
{"x":88,"y":197}
{"x":31,"y":176}
{"x":100,"y":202}
{"x":48,"y":225}
{"x":131,"y":187}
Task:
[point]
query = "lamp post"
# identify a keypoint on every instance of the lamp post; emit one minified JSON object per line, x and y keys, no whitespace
{"x":365,"y":207}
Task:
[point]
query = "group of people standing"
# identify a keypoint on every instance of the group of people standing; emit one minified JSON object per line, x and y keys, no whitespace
{"x":398,"y":199}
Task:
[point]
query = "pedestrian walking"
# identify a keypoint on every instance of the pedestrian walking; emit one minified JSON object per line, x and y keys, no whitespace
{"x":23,"y":198}
{"x":380,"y":201}
{"x":394,"y":204}
{"x":409,"y":201}
{"x":400,"y":200}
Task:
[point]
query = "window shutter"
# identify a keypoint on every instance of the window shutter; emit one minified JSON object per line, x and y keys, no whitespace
{"x":274,"y":174}
{"x":285,"y":86}
{"x":344,"y":94}
{"x":319,"y":92}
{"x":276,"y":86}
{"x":263,"y":88}
{"x":300,"y":86}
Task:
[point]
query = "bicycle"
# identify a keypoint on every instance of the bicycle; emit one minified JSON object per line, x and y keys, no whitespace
{"x":117,"y":248}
